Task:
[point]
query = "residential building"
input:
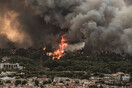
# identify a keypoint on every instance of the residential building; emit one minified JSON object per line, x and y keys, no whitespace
{"x":10,"y":66}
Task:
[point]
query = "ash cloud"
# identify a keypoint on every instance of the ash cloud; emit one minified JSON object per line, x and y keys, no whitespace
{"x":26,"y":29}
{"x":100,"y":24}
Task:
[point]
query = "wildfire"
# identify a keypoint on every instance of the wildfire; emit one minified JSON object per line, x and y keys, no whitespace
{"x":59,"y":52}
{"x":44,"y":48}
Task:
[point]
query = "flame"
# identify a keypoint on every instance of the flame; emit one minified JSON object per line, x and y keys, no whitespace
{"x":57,"y":54}
{"x":44,"y":48}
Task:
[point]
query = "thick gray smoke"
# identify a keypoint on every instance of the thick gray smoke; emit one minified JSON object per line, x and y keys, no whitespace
{"x":101,"y":24}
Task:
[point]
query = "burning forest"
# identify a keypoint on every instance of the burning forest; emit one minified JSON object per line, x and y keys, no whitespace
{"x":59,"y":52}
{"x":67,"y":25}
{"x":66,"y":43}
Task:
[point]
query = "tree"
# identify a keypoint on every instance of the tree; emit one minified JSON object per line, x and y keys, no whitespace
{"x":101,"y":75}
{"x":46,"y":82}
{"x":41,"y":86}
{"x":86,"y":76}
{"x":17,"y":82}
{"x":59,"y":68}
{"x":101,"y":86}
{"x":24,"y":82}
{"x":36,"y":82}
{"x":8,"y":81}
{"x":49,"y":81}
{"x":1,"y":83}
{"x":93,"y":86}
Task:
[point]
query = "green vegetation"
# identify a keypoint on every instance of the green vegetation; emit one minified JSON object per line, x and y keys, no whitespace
{"x":36,"y":83}
{"x":47,"y":82}
{"x":1,"y":83}
{"x":18,"y":82}
{"x":24,"y":82}
{"x":73,"y":65}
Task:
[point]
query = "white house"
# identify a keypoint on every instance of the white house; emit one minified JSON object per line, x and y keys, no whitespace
{"x":10,"y":66}
{"x":120,"y":76}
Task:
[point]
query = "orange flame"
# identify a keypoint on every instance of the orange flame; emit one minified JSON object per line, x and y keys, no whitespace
{"x":57,"y":54}
{"x":44,"y":48}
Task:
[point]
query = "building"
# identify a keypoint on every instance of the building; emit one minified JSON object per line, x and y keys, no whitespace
{"x":10,"y":66}
{"x":120,"y":76}
{"x":7,"y":79}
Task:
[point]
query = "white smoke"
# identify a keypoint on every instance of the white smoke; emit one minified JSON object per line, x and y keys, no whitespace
{"x":74,"y":47}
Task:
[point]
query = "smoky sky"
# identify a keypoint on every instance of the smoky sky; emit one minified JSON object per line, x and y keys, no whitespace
{"x":100,"y":24}
{"x":30,"y":24}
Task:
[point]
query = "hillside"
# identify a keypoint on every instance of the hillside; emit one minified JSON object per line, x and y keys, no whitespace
{"x":37,"y":62}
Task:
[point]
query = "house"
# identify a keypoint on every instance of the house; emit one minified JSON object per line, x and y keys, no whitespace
{"x":43,"y":79}
{"x":7,"y":79}
{"x":88,"y":83}
{"x":10,"y":66}
{"x":7,"y":73}
{"x":120,"y":76}
{"x":59,"y":79}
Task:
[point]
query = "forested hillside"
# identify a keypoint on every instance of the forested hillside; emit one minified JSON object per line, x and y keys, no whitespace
{"x":36,"y":61}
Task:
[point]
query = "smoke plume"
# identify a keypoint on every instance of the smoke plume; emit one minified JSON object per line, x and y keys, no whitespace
{"x":73,"y":47}
{"x":20,"y":25}
{"x":99,"y":24}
